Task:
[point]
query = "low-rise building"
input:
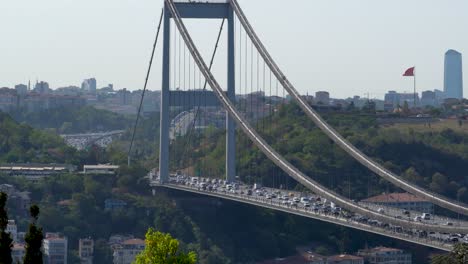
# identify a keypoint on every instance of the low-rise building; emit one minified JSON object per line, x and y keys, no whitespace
{"x":345,"y":259}
{"x":18,"y":201}
{"x":384,"y":255}
{"x":100,"y":169}
{"x":8,"y":99}
{"x":322,"y":97}
{"x":17,"y":253}
{"x":86,"y":250}
{"x":13,"y":230}
{"x":35,"y":172}
{"x":118,"y":239}
{"x":55,"y":248}
{"x":404,"y":201}
{"x":112,"y":204}
{"x":126,"y":252}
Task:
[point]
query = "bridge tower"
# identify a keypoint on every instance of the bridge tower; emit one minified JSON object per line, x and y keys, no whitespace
{"x":197,"y":10}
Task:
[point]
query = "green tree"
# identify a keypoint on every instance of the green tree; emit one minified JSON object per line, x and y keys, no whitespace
{"x":5,"y":239}
{"x":459,"y":255}
{"x":163,"y":249}
{"x":33,"y":239}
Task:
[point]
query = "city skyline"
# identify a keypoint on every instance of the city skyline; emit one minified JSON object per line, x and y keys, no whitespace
{"x":365,"y":55}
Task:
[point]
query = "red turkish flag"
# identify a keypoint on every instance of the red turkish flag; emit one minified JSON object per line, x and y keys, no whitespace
{"x":409,"y":72}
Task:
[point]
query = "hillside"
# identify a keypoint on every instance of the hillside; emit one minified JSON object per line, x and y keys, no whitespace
{"x":436,"y":159}
{"x":74,"y":120}
{"x":21,"y":143}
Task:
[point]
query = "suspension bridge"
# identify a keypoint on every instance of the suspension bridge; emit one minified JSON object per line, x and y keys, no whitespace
{"x":252,"y":71}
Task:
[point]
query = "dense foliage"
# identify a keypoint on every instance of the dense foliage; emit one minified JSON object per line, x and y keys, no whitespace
{"x":459,"y":255}
{"x":434,"y":160}
{"x":227,"y":232}
{"x":33,"y":239}
{"x":70,"y":120}
{"x":22,"y":143}
{"x":163,"y":249}
{"x":6,"y":242}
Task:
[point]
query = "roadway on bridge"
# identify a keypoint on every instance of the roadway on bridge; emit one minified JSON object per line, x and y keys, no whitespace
{"x":317,"y":208}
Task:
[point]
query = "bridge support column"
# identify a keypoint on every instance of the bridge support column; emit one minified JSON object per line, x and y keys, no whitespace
{"x":231,"y":92}
{"x":165,"y":107}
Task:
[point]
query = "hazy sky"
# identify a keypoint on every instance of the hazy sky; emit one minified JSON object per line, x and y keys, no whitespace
{"x":346,"y":47}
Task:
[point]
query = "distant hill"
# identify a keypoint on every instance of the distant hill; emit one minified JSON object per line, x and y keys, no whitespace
{"x":74,"y":120}
{"x":20,"y":143}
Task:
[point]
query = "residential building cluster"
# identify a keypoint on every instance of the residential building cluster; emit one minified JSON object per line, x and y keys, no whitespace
{"x":42,"y":97}
{"x":377,"y":255}
{"x":55,"y":247}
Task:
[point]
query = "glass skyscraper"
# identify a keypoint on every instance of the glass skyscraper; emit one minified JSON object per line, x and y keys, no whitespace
{"x":453,"y":80}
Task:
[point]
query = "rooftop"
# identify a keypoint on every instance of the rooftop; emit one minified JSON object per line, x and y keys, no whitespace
{"x":381,"y":250}
{"x":344,"y":257}
{"x":101,"y":166}
{"x":134,"y":241}
{"x":394,"y":198}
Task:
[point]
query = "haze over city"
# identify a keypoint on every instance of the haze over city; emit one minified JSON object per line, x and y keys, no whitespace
{"x":347,"y":48}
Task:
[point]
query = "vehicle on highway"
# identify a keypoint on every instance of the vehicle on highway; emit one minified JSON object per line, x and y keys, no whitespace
{"x":426,"y":216}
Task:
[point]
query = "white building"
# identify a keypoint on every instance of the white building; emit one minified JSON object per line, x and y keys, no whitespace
{"x":453,"y":75}
{"x":345,"y":259}
{"x":35,"y":172}
{"x":17,"y":253}
{"x":55,"y":248}
{"x":13,"y":230}
{"x":86,"y":250}
{"x":384,"y":255}
{"x":126,"y":252}
{"x":89,"y":85}
{"x":405,"y":201}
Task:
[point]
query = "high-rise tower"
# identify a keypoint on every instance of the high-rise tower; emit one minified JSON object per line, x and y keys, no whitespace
{"x":453,"y":80}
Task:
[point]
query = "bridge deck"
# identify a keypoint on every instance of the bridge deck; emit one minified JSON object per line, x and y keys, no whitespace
{"x":265,"y":203}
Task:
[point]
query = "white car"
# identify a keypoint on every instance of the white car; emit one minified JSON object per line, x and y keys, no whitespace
{"x":426,"y":216}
